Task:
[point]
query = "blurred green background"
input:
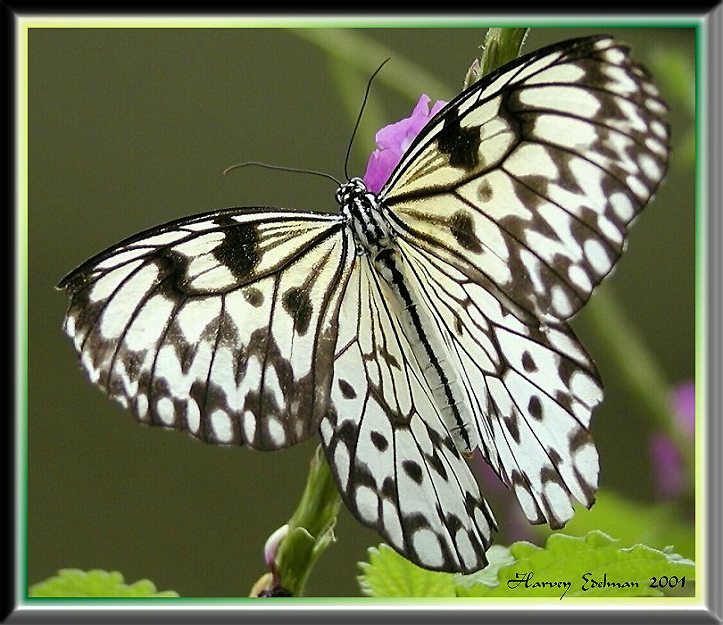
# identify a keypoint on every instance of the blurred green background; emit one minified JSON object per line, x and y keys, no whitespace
{"x":129,"y":128}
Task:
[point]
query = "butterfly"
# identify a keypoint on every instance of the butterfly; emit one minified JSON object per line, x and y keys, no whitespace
{"x":417,"y":325}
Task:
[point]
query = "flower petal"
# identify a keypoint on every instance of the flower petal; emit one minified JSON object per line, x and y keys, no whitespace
{"x":394,"y":139}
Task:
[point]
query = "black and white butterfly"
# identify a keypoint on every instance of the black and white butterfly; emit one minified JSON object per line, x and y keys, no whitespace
{"x":417,"y":325}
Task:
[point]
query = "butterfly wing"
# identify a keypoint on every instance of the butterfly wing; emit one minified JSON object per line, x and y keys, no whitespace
{"x":531,"y":389}
{"x":509,"y":207}
{"x":396,"y":465}
{"x":222,"y":324}
{"x":528,"y":180}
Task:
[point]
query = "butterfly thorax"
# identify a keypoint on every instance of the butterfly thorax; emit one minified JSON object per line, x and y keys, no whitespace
{"x":361,"y":209}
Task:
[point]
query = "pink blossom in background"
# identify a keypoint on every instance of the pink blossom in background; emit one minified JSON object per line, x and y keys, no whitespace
{"x":486,"y":474}
{"x":684,"y":406}
{"x":667,"y":465}
{"x":516,"y":525}
{"x":394,"y":139}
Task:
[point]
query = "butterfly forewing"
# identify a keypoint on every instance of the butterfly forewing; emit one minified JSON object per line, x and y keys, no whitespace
{"x":529,"y":179}
{"x":223,"y":325}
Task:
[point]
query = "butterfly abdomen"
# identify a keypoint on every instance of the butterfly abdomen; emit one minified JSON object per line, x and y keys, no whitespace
{"x":429,"y":350}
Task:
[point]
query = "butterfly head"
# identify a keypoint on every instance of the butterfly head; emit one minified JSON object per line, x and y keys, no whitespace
{"x":351,"y":190}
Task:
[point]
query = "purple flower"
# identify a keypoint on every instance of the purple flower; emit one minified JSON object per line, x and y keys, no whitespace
{"x":684,"y":406}
{"x":666,"y":461}
{"x":394,"y":139}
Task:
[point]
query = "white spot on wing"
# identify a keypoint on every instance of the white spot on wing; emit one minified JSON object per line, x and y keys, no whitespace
{"x":165,"y":411}
{"x":141,"y":406}
{"x":390,"y":518}
{"x":558,"y":500}
{"x":587,"y":462}
{"x":425,"y":543}
{"x":221,"y":424}
{"x":196,"y":315}
{"x":366,"y":501}
{"x":622,"y":206}
{"x":199,"y":245}
{"x":193,"y":415}
{"x":249,"y":426}
{"x":529,"y":507}
{"x":106,"y":284}
{"x":117,"y":313}
{"x":464,"y":545}
{"x":596,"y":256}
{"x":650,"y":167}
{"x":149,"y":324}
{"x":276,"y":431}
{"x":341,"y":463}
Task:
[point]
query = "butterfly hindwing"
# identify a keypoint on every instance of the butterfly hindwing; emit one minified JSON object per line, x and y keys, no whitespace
{"x":532,"y":389}
{"x":223,"y":325}
{"x":395,"y":463}
{"x":529,"y":179}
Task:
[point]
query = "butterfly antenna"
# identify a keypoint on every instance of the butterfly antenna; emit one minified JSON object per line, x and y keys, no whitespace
{"x":297,"y":170}
{"x":358,"y":119}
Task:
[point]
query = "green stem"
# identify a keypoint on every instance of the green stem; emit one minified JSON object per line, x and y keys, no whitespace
{"x":311,"y":527}
{"x":350,"y":50}
{"x":357,"y":51}
{"x":501,"y":46}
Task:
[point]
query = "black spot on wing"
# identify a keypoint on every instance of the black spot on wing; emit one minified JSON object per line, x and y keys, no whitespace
{"x":484,"y":191}
{"x":347,"y":390}
{"x":462,"y":228}
{"x":513,"y":427}
{"x":461,"y":144}
{"x":253,"y":296}
{"x":555,"y":458}
{"x":436,"y":463}
{"x":239,"y":250}
{"x":528,"y":362}
{"x":172,"y":271}
{"x":296,"y":302}
{"x":580,"y":438}
{"x":535,"y":408}
{"x":389,"y":490}
{"x":458,"y":327}
{"x":380,"y":441}
{"x":413,"y":470}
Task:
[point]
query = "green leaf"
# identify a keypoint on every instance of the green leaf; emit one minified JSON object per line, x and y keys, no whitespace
{"x":94,"y":583}
{"x":656,"y":525}
{"x":498,"y":557}
{"x":387,"y":574}
{"x":592,"y":566}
